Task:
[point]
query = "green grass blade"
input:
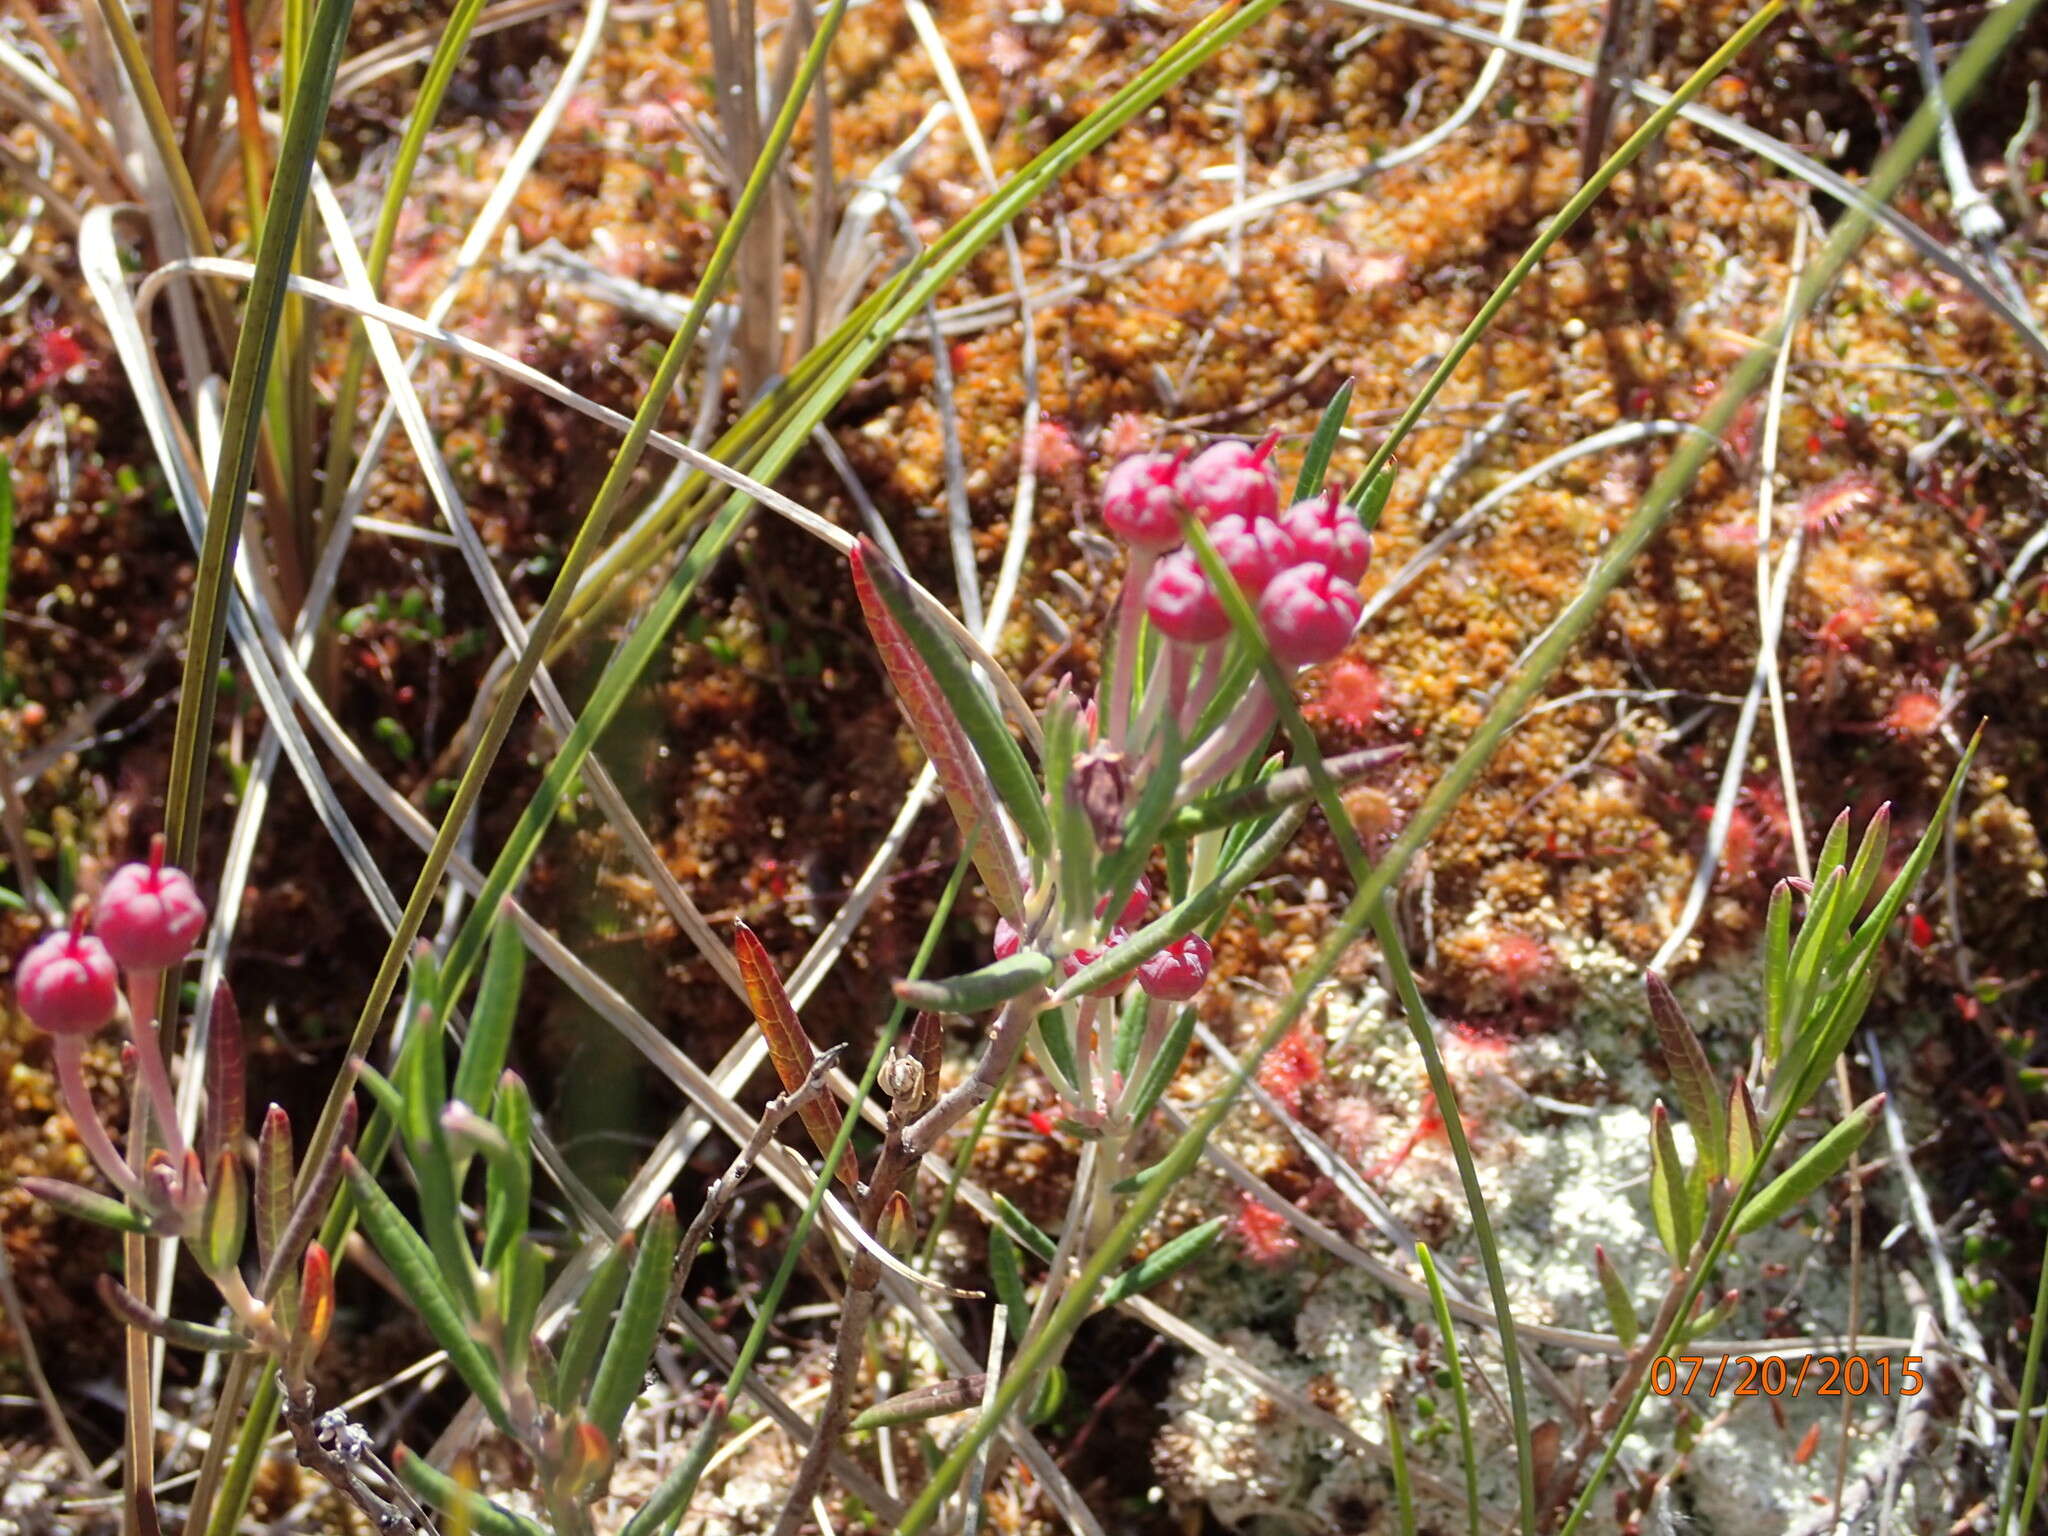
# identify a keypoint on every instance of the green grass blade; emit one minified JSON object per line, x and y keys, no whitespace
{"x":1461,"y":1400}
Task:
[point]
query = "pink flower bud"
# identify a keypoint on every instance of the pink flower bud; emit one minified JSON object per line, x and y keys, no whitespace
{"x":1080,"y":958}
{"x":1008,"y":939}
{"x":1326,"y":532}
{"x":1140,"y":502}
{"x":66,"y":983}
{"x":1308,"y":614}
{"x":1231,"y":477}
{"x":1134,"y":904}
{"x":1253,"y":549}
{"x":150,"y":916}
{"x":1181,"y":603}
{"x":1177,"y":972}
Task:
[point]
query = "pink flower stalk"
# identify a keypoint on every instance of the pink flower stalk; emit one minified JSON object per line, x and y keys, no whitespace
{"x":1231,"y":477}
{"x":1308,"y":614}
{"x":67,"y":983}
{"x":149,"y":915}
{"x":1253,"y":549}
{"x":1326,"y":532}
{"x":1181,"y":603}
{"x":1008,"y":939}
{"x":1177,"y":972}
{"x":1140,"y":501}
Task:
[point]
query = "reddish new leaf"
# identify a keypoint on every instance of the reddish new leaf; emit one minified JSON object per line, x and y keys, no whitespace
{"x":788,"y":1046}
{"x":965,"y":781}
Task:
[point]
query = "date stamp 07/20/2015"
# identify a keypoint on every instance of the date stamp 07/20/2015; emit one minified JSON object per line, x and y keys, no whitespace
{"x":1786,"y":1375}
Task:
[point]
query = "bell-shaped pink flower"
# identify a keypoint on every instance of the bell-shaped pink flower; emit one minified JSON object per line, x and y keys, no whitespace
{"x":1140,"y":501}
{"x":1074,"y":963}
{"x":1326,"y":532}
{"x":1231,"y":477}
{"x":1134,"y":904}
{"x":67,"y":983}
{"x":1177,"y":972}
{"x":150,"y":915}
{"x":1308,"y":614}
{"x":1253,"y":549}
{"x":1181,"y":603}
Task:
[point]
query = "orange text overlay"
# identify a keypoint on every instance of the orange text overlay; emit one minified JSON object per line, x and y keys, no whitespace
{"x":1785,"y":1376}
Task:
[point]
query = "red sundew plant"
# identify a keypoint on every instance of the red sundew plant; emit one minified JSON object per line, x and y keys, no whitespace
{"x":1518,"y":962}
{"x":1823,"y":510}
{"x":1291,"y":1068}
{"x":1262,"y":1233}
{"x":1914,"y":714}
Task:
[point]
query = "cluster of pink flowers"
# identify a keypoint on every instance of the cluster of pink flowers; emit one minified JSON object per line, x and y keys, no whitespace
{"x":147,"y":919}
{"x":1173,"y":975}
{"x":1299,"y":567}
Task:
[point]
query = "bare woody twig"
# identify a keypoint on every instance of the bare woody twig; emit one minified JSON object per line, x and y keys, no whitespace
{"x":917,"y":1119}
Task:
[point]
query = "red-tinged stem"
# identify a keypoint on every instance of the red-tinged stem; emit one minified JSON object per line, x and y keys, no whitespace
{"x":149,"y":1056}
{"x":70,"y":1052}
{"x":1216,"y":660}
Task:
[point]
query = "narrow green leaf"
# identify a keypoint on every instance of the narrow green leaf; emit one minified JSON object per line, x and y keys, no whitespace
{"x":1050,"y":1397}
{"x":1370,"y":496}
{"x":591,"y":1324}
{"x":977,"y":991}
{"x":1056,"y":1048}
{"x":631,"y":1345}
{"x":1777,"y":968}
{"x":1022,"y":1229}
{"x":1869,"y":862}
{"x":1821,"y":1162}
{"x":318,"y":1186}
{"x":972,"y":710}
{"x":1620,"y":1308}
{"x":136,"y":1313}
{"x":271,"y":1199}
{"x":508,"y":1179}
{"x":1833,"y":849}
{"x":422,"y":1082}
{"x":1315,"y":464}
{"x":489,"y":1041}
{"x":1006,"y":1274}
{"x":1699,"y":1095}
{"x":1744,"y":1135}
{"x":1292,"y":786}
{"x":224,"y":1220}
{"x":86,"y":1204}
{"x":1168,"y":1259}
{"x":444,"y":1493}
{"x":522,"y":1282}
{"x":956,"y":1394}
{"x":1130,"y":1032}
{"x":1440,"y":1305}
{"x":413,"y":1266}
{"x":1670,"y":1202}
